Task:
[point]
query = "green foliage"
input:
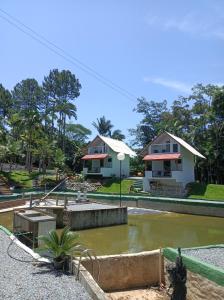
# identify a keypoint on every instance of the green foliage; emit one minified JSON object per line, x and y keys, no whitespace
{"x":198,"y":119}
{"x":206,"y":191}
{"x":118,"y":135}
{"x":113,"y":186}
{"x":33,"y":122}
{"x":61,"y":245}
{"x":104,"y":127}
{"x":136,"y":165}
{"x":20,"y":179}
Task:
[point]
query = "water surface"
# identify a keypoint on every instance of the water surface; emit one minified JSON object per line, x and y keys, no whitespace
{"x":148,"y":232}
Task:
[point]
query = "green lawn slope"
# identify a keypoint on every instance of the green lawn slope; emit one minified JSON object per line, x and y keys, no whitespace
{"x":206,"y":191}
{"x":112,"y":186}
{"x":24,"y":179}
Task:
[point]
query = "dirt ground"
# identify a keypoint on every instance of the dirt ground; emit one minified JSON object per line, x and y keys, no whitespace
{"x":141,"y":294}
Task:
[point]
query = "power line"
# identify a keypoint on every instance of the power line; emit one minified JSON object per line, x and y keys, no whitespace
{"x":71,"y":59}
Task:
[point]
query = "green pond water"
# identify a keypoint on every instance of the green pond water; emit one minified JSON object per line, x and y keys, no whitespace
{"x":148,"y":232}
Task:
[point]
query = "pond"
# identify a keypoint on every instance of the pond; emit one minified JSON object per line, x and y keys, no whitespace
{"x":148,"y":232}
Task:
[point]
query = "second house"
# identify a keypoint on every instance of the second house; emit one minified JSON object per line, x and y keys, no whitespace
{"x":101,"y":159}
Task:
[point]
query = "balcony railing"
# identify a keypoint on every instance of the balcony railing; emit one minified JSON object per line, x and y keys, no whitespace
{"x":94,"y":170}
{"x":161,"y":173}
{"x":160,"y":148}
{"x":164,"y":148}
{"x":97,"y":149}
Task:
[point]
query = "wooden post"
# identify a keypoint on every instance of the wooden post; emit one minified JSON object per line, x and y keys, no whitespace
{"x":56,"y":200}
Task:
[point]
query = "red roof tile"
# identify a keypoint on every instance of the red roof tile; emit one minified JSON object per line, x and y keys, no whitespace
{"x":162,"y":156}
{"x":94,"y":156}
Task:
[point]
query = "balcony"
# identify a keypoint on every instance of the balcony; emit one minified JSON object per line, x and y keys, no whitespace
{"x":97,"y":150}
{"x":164,"y":148}
{"x":161,"y":173}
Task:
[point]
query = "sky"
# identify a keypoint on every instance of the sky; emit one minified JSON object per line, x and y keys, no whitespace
{"x":152,"y":49}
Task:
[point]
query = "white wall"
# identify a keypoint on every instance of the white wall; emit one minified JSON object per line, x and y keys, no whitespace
{"x":125,"y":165}
{"x":115,"y":170}
{"x":185,"y":176}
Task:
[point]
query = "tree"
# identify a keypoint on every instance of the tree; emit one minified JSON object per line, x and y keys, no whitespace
{"x":6,"y":102}
{"x":61,"y":89}
{"x":27,"y":96}
{"x":152,"y":123}
{"x":118,"y":135}
{"x":103,"y":126}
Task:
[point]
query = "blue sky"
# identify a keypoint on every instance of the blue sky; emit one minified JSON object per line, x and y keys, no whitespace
{"x":156,"y":49}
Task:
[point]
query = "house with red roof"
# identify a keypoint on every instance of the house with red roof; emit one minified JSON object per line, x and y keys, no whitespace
{"x":101,"y":159}
{"x":169,"y":163}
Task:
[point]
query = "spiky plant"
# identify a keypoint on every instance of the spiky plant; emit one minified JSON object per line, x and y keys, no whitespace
{"x":61,"y":245}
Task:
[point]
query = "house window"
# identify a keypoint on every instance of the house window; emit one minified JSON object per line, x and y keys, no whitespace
{"x":175,"y":148}
{"x":109,"y":159}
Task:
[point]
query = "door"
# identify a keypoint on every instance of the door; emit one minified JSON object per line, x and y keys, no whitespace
{"x":95,"y":166}
{"x":167,"y":168}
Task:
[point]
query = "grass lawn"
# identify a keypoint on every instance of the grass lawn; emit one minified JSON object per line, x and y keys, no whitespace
{"x":208,"y":192}
{"x":23,"y":179}
{"x":113,"y":186}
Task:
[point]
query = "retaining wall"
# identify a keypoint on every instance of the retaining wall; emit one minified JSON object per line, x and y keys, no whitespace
{"x":121,"y":272}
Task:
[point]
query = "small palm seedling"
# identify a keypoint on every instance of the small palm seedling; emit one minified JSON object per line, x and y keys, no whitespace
{"x":61,"y":246}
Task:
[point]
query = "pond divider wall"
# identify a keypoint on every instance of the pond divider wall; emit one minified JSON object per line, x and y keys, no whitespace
{"x":121,"y":272}
{"x":186,"y":206}
{"x":204,"y":281}
{"x":98,"y":217}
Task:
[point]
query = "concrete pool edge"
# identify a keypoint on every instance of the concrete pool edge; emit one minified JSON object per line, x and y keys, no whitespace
{"x":206,"y":270}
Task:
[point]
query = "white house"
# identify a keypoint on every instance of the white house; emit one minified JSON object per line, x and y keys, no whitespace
{"x":102,"y":158}
{"x":169,"y":161}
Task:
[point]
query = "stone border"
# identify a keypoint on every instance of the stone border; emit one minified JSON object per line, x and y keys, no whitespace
{"x":208,"y":271}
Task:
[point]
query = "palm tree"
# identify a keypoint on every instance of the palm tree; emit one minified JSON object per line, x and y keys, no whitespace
{"x":103,"y":126}
{"x":118,"y":135}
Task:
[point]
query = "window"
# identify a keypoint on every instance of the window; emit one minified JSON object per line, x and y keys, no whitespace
{"x":175,"y":148}
{"x":109,"y":159}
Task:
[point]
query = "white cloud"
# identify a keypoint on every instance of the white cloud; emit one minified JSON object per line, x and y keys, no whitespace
{"x":199,"y":24}
{"x":173,"y":84}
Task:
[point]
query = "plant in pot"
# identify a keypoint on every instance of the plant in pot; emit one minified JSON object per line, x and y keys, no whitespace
{"x":61,"y":246}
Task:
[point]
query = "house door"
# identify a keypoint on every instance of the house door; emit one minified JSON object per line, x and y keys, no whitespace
{"x":96,"y":166}
{"x":167,"y":167}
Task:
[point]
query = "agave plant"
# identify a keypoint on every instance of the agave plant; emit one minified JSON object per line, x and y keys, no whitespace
{"x":61,"y":245}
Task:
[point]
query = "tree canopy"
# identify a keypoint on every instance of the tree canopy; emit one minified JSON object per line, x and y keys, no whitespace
{"x":198,"y":119}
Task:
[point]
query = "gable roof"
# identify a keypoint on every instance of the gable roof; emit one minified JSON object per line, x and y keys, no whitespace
{"x":185,"y":145}
{"x":117,"y":146}
{"x":179,"y":141}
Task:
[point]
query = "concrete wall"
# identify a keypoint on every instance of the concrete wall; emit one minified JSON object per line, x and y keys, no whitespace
{"x":186,"y":206}
{"x":78,"y":220}
{"x":199,"y":287}
{"x":127,"y":271}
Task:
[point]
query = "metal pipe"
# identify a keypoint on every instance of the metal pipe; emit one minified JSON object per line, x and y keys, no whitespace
{"x":120,"y":183}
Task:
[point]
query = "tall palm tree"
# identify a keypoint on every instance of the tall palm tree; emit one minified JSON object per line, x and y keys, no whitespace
{"x":103,"y":126}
